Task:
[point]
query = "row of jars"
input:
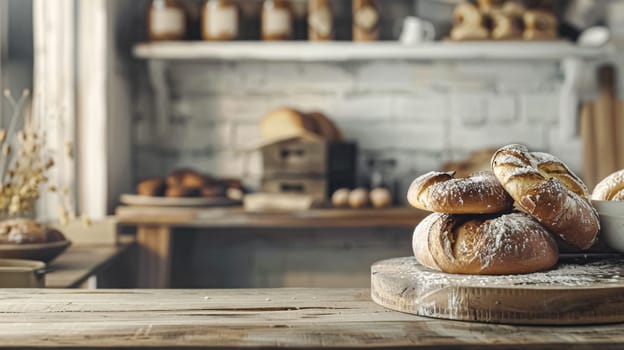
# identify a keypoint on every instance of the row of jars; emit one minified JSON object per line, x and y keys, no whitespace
{"x":221,"y":20}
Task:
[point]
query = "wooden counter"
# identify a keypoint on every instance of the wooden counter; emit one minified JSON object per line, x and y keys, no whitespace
{"x":237,"y":217}
{"x":155,"y":227}
{"x":274,"y":318}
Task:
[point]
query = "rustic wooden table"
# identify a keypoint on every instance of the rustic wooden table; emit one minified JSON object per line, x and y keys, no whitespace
{"x":155,"y":226}
{"x":80,"y":262}
{"x":273,"y":318}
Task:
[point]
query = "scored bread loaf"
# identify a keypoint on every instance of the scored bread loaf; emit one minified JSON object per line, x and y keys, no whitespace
{"x":484,"y":244}
{"x":440,"y":192}
{"x":545,"y":188}
{"x":611,"y":188}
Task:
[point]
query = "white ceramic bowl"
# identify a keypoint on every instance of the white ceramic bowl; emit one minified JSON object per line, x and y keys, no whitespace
{"x":613,"y":208}
{"x":611,"y":215}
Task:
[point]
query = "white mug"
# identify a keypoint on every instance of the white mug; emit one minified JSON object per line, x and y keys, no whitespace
{"x":416,"y":30}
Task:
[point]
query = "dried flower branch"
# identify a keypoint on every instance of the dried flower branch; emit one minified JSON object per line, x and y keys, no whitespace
{"x":24,"y":164}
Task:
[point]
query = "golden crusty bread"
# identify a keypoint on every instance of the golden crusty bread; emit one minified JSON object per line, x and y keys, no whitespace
{"x":286,"y":123}
{"x":468,"y":23}
{"x":546,"y":189}
{"x":611,"y":188}
{"x":443,"y":193}
{"x":151,"y":187}
{"x":484,"y":245}
{"x":539,"y":25}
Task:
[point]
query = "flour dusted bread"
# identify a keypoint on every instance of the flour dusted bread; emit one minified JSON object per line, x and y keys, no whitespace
{"x":441,"y":192}
{"x":545,"y":188}
{"x":486,"y":245}
{"x":611,"y":188}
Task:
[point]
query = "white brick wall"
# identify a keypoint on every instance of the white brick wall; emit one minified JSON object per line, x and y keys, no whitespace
{"x":422,"y":114}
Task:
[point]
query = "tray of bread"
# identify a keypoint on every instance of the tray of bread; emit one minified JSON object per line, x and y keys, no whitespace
{"x":27,"y":239}
{"x":490,"y":250}
{"x":186,"y":188}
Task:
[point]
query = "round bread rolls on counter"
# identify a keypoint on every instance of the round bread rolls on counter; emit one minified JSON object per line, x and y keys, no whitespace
{"x":151,"y":187}
{"x":546,"y":189}
{"x":358,"y":198}
{"x":611,"y":188}
{"x":484,"y":244}
{"x":380,"y":197}
{"x":439,"y":192}
{"x":340,"y":198}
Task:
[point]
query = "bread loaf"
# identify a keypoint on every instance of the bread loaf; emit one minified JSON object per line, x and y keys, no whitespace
{"x":468,"y":23}
{"x":287,"y":123}
{"x":546,"y":189}
{"x":611,"y":188}
{"x":151,"y":187}
{"x":440,"y":192}
{"x":539,"y":25}
{"x":494,"y":245}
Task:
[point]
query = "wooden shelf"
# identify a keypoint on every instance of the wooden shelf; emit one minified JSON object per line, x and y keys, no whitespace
{"x":349,"y":51}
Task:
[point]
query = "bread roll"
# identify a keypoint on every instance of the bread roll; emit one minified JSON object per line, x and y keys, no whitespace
{"x":287,"y":123}
{"x":340,"y":198}
{"x":380,"y":197}
{"x":151,"y":187}
{"x":611,"y":188}
{"x":440,"y":192}
{"x":468,"y":23}
{"x":545,"y":188}
{"x":539,"y":25}
{"x":358,"y":198}
{"x":484,"y":245}
{"x":506,"y":26}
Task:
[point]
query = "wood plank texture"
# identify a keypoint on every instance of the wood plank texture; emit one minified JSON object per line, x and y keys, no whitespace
{"x":577,"y":291}
{"x":278,"y":318}
{"x":154,"y":256}
{"x":80,"y":262}
{"x":237,"y":217}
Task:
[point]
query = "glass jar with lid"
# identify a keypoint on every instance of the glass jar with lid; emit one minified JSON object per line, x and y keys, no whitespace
{"x":277,"y":20}
{"x":166,"y":20}
{"x":220,"y":20}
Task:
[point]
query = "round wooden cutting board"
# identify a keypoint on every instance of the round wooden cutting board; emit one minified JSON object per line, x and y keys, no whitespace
{"x":578,"y":291}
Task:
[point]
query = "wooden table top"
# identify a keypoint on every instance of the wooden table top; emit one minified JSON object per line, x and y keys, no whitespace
{"x":273,"y":318}
{"x":80,"y":262}
{"x":237,"y":217}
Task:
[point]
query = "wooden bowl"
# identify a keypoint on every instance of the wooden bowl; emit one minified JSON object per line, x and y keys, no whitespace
{"x":45,"y":252}
{"x":16,"y":273}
